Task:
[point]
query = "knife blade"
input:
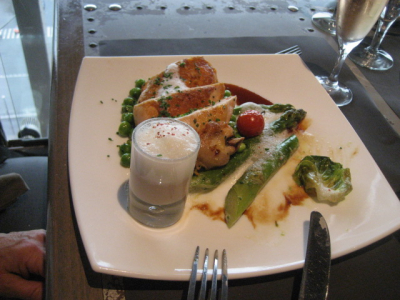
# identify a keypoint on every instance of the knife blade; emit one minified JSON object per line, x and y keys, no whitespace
{"x":315,"y":279}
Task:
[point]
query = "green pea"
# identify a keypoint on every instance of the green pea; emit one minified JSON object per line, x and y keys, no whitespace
{"x":125,"y":129}
{"x":125,"y":148}
{"x":135,"y":92}
{"x":128,"y":117}
{"x":139,"y":83}
{"x":236,"y":133}
{"x":126,"y":160}
{"x":237,"y":110}
{"x":227,"y":93}
{"x":242,"y":147}
{"x":127,"y":108}
{"x":128,"y":101}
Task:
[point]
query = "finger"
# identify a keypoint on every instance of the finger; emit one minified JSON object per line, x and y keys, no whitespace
{"x":14,"y":286}
{"x":32,"y":257}
{"x":24,"y":258}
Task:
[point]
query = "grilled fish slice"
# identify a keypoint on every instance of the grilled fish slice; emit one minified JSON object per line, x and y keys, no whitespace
{"x":179,"y":103}
{"x":178,"y":76}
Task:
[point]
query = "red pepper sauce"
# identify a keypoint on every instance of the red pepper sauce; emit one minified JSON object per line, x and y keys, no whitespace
{"x":244,"y":95}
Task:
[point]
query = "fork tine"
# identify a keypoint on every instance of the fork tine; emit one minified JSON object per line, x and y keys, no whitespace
{"x":287,"y":50}
{"x":214,"y":286}
{"x":291,"y":50}
{"x":192,"y":282}
{"x":203,"y":287}
{"x":224,"y":286}
{"x":213,"y":292}
{"x":297,"y":51}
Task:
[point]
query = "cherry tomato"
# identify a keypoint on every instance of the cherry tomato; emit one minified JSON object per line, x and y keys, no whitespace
{"x":250,"y":123}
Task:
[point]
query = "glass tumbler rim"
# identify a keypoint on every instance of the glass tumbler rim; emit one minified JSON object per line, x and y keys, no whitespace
{"x":164,"y":159}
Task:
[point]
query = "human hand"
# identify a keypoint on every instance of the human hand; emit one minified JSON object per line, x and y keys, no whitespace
{"x":22,"y":256}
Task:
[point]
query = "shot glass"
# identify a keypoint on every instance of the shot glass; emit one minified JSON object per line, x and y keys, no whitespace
{"x":163,"y":157}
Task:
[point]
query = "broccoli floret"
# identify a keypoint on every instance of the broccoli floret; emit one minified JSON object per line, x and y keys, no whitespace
{"x":328,"y":181}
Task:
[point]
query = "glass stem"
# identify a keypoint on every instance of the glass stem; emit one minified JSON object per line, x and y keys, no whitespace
{"x":386,"y":20}
{"x":381,"y":30}
{"x":344,"y":50}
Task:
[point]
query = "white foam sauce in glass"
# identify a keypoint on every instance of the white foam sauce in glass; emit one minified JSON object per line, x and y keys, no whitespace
{"x":166,"y":139}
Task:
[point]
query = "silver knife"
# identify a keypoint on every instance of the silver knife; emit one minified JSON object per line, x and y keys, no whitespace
{"x":317,"y":265}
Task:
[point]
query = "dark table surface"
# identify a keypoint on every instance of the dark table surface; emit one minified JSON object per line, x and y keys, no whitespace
{"x":139,"y":28}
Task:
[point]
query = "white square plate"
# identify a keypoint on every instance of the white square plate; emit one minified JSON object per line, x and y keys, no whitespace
{"x":116,"y":244}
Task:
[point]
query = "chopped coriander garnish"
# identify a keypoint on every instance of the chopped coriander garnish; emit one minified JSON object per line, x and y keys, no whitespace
{"x":157,"y":81}
{"x":168,"y":75}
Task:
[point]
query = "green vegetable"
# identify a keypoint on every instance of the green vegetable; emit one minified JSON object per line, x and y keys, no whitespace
{"x":244,"y":191}
{"x":128,"y":101}
{"x":323,"y":178}
{"x":208,"y":180}
{"x":126,"y":160}
{"x":227,"y":93}
{"x":278,"y":108}
{"x":288,"y":120}
{"x":128,"y":117}
{"x":242,"y":147}
{"x":135,"y":92}
{"x":127,"y":108}
{"x":139,"y":83}
{"x":125,"y":129}
{"x":125,"y":147}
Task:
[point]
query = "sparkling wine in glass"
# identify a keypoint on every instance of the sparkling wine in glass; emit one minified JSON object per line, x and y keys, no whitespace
{"x":325,"y":21}
{"x":354,"y":19}
{"x":372,"y":57}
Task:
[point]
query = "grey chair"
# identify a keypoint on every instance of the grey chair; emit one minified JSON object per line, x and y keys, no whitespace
{"x":29,"y":210}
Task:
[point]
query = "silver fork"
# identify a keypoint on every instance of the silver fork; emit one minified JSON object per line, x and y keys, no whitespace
{"x":203,"y":287}
{"x":291,"y":50}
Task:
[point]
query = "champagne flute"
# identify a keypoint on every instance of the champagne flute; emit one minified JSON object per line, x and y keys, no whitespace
{"x":354,"y":19}
{"x":372,"y":57}
{"x":326,"y":21}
